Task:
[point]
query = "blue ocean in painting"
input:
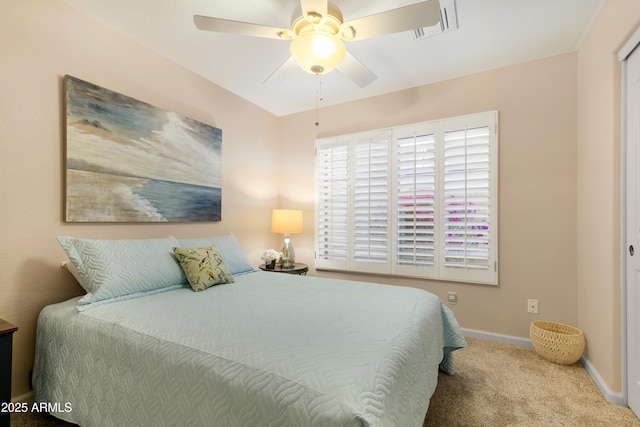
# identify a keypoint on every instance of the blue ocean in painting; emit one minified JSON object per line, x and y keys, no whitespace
{"x":178,"y":202}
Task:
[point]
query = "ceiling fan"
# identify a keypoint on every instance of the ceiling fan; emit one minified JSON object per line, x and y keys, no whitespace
{"x":318,"y":31}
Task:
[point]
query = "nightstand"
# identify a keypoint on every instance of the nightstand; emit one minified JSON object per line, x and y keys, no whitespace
{"x":299,"y":269}
{"x":6,"y":341}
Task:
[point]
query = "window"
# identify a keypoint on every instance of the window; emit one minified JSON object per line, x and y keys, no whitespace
{"x":418,"y":200}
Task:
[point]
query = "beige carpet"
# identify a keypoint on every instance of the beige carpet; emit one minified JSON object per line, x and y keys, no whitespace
{"x":496,"y":385}
{"x":505,"y":385}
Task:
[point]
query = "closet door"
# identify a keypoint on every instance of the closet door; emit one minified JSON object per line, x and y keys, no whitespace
{"x":632,"y":202}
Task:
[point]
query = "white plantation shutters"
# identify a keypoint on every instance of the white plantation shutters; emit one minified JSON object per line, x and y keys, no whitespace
{"x":332,"y":192}
{"x":468,"y":220}
{"x":417,"y":200}
{"x":370,"y":203}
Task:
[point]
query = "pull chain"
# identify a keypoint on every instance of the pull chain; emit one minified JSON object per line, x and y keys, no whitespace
{"x":318,"y":96}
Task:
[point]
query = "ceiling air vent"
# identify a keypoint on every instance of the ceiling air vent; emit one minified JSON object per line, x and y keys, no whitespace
{"x":448,"y":21}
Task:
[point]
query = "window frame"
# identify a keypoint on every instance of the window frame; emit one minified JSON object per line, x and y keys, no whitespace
{"x":438,"y":271}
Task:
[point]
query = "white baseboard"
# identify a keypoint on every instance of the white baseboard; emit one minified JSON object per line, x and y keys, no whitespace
{"x":609,"y":395}
{"x":490,"y":336}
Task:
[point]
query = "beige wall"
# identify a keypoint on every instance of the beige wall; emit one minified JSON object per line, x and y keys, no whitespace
{"x":537,"y":183}
{"x":598,"y":189}
{"x":40,"y":42}
{"x":558,"y":147}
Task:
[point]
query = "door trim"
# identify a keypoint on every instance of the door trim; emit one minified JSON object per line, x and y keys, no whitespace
{"x":623,"y":54}
{"x":623,"y":232}
{"x":629,"y":46}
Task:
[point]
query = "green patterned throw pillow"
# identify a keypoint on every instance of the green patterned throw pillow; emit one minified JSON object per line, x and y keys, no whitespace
{"x":203,"y":267}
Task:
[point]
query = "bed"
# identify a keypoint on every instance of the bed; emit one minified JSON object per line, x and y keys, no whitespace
{"x":267,"y":349}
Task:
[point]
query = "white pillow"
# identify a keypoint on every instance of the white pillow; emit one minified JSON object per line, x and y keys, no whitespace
{"x":112,"y":270}
{"x":231,"y":251}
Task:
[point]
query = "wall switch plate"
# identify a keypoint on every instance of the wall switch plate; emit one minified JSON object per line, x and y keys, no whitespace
{"x":452,"y":298}
{"x":532,"y":306}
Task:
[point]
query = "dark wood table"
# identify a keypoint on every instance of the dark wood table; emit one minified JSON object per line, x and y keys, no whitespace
{"x":6,"y":345}
{"x":299,"y":269}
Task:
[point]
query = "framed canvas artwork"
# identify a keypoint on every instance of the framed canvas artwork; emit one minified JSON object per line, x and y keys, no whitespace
{"x":128,"y":161}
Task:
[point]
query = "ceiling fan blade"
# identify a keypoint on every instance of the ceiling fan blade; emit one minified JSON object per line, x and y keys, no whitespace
{"x":356,"y":71}
{"x":317,"y":7}
{"x":407,"y":18}
{"x":285,"y":68}
{"x":218,"y":25}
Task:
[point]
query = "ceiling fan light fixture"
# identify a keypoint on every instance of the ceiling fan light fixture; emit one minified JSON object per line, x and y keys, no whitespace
{"x":318,"y":31}
{"x":317,"y":52}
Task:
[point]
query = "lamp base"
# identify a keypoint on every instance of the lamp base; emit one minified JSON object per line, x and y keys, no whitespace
{"x":288,"y":258}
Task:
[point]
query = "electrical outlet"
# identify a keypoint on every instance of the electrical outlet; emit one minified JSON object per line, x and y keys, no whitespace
{"x":452,"y":298}
{"x":532,"y":306}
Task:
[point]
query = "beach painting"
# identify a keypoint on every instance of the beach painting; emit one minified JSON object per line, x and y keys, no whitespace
{"x":128,"y":161}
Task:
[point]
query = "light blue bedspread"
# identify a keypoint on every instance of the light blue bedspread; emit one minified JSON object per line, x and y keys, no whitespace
{"x":269,"y":350}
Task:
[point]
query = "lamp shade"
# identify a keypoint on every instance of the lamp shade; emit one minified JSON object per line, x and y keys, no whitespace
{"x":286,"y":221}
{"x":317,"y":52}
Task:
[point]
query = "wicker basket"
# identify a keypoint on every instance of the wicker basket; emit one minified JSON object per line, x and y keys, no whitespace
{"x":556,"y":342}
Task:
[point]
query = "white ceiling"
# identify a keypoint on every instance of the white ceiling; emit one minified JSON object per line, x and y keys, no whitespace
{"x":490,"y":34}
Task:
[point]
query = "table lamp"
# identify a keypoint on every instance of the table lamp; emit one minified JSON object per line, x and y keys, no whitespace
{"x":287,"y":222}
